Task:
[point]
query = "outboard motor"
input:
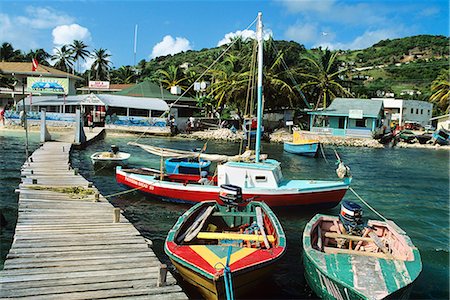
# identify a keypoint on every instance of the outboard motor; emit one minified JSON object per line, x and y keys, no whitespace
{"x":231,"y":194}
{"x":114,"y":149}
{"x":351,"y":217}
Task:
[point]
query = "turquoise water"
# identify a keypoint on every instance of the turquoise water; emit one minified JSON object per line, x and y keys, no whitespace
{"x":409,"y":186}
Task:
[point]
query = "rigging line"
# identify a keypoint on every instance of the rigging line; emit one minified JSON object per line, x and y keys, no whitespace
{"x":370,"y":207}
{"x":283,"y":62}
{"x":207,"y":69}
{"x":214,"y":62}
{"x":124,"y":192}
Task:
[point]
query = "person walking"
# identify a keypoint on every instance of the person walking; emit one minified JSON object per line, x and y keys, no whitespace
{"x":2,"y":115}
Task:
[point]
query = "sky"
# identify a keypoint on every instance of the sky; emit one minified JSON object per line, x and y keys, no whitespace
{"x":169,"y":27}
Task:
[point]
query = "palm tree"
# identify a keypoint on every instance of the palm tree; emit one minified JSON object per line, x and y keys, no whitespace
{"x":172,"y":77}
{"x":229,"y":84}
{"x":101,"y":65}
{"x":79,"y":51}
{"x":40,"y":54}
{"x":64,"y":59}
{"x":125,"y":74}
{"x":8,"y":53}
{"x":322,"y":77}
{"x":441,"y":89}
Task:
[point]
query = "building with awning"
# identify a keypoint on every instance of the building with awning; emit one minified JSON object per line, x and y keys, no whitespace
{"x":180,"y":106}
{"x":348,"y":117}
{"x":105,"y":108}
{"x":16,"y":73}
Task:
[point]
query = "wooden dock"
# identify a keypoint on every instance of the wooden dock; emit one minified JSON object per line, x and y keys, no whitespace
{"x":70,"y":245}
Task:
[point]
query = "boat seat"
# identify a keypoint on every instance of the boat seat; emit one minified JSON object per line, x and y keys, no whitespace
{"x":234,"y":214}
{"x":233,"y":236}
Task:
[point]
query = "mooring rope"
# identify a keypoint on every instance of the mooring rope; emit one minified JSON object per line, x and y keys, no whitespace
{"x":124,"y":192}
{"x":367,"y":204}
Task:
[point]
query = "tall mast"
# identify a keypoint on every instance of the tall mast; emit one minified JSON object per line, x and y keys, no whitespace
{"x":259,"y":37}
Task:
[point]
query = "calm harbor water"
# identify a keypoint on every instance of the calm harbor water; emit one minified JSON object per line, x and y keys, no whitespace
{"x":409,"y":186}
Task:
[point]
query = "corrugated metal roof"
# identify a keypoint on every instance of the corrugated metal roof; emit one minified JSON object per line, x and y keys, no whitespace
{"x":99,"y":99}
{"x":151,"y":90}
{"x":342,"y":106}
{"x":24,"y":68}
{"x":133,"y":102}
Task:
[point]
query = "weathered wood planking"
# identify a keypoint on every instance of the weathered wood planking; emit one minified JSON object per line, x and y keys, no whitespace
{"x":68,"y":246}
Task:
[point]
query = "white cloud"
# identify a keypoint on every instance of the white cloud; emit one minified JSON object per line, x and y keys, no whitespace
{"x":170,"y":45}
{"x":43,"y":18}
{"x":30,"y":29}
{"x":66,"y":34}
{"x":303,"y":33}
{"x":365,"y":40}
{"x":245,"y":34}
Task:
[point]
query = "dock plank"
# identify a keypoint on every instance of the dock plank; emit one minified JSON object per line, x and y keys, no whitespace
{"x":68,"y":247}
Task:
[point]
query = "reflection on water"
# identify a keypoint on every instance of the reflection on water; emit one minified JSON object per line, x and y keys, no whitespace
{"x":409,"y":186}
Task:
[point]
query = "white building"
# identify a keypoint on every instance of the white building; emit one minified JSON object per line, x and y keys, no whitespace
{"x":407,"y":111}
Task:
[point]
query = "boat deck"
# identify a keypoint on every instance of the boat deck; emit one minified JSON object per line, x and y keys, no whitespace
{"x":71,"y":243}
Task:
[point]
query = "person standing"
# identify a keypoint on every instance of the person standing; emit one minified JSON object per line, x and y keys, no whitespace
{"x":2,"y":115}
{"x":22,"y":118}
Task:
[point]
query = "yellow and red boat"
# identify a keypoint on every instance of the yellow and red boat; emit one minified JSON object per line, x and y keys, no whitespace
{"x":226,"y":250}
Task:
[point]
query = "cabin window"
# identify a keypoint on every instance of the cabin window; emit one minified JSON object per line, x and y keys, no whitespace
{"x":138,"y":112}
{"x":341,"y":124}
{"x":156,"y":113}
{"x":119,"y":111}
{"x":360,"y":123}
{"x":71,"y":109}
{"x":260,"y":178}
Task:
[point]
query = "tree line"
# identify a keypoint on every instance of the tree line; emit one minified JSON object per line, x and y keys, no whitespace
{"x":293,"y":76}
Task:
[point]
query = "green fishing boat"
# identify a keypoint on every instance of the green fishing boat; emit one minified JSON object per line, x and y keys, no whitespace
{"x":346,"y":259}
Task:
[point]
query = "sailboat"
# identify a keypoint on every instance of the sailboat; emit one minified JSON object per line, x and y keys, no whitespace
{"x":261,"y":179}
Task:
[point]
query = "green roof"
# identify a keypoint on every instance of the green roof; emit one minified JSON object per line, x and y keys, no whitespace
{"x":342,"y":107}
{"x":151,"y":90}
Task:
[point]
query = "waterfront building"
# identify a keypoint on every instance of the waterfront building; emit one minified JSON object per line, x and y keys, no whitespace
{"x":181,"y":108}
{"x":401,"y":112}
{"x":105,"y":109}
{"x":348,"y":117}
{"x":441,"y":122}
{"x":16,"y":73}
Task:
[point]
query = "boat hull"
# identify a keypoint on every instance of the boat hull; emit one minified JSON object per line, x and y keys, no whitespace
{"x":350,"y":276}
{"x":243,"y":282}
{"x":304,"y":149}
{"x":194,"y":193}
{"x":201,"y":260}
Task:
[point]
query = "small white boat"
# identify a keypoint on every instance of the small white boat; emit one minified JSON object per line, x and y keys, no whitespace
{"x":111,"y":157}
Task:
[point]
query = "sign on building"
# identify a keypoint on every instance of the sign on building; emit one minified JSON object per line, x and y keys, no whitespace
{"x":99,"y":84}
{"x":355,"y":113}
{"x":48,"y":85}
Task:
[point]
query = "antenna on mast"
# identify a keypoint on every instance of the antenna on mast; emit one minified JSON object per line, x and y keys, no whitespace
{"x":135,"y":42}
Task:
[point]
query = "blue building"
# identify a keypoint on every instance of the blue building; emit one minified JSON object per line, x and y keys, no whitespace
{"x":348,"y":117}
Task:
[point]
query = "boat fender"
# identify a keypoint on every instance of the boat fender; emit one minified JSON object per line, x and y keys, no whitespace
{"x":343,"y":171}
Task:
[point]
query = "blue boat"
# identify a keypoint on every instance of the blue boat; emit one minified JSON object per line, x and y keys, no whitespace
{"x":301,"y":145}
{"x":441,"y":137}
{"x":186,"y":165}
{"x":305,"y":149}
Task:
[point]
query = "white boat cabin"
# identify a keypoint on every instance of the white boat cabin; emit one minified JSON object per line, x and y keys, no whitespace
{"x":265,"y":174}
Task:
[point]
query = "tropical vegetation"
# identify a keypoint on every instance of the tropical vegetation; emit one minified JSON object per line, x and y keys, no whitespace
{"x":294,"y":76}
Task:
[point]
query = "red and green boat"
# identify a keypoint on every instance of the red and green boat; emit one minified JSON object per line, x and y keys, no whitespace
{"x":378,"y":261}
{"x":226,"y":250}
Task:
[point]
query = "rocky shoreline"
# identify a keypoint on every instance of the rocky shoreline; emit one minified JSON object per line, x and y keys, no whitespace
{"x":279,"y":136}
